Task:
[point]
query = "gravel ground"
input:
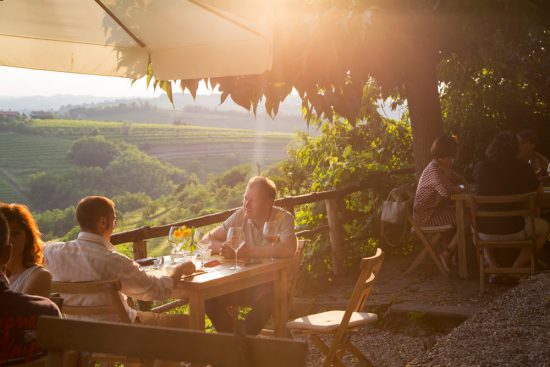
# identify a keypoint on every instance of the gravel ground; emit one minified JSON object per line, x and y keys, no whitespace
{"x":512,"y":328}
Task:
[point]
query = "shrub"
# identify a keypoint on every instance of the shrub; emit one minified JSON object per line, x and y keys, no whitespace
{"x":93,"y":152}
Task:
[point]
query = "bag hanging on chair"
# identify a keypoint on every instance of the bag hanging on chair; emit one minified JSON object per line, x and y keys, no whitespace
{"x":394,"y":211}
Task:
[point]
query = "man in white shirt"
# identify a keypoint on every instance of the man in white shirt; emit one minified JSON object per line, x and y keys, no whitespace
{"x":257,"y":209}
{"x":92,"y":257}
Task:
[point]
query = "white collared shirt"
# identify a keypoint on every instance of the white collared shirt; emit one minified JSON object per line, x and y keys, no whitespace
{"x":91,"y":258}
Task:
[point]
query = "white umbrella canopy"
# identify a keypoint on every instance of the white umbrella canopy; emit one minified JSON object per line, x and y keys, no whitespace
{"x":183,"y":39}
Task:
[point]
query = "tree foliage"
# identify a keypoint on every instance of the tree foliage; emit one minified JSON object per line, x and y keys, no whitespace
{"x":95,"y":151}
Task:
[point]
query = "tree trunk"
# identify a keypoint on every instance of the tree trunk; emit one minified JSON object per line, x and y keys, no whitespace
{"x":421,"y":87}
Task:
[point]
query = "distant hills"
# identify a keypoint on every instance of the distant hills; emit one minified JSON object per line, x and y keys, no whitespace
{"x":206,"y":110}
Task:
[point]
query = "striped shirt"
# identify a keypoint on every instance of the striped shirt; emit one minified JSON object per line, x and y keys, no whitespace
{"x":91,"y":258}
{"x":432,"y":203}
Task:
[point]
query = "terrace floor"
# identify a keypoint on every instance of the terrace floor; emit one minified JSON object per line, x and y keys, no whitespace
{"x":414,"y":311}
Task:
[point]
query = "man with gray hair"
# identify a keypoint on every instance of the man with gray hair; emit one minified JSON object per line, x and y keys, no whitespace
{"x":257,"y":210}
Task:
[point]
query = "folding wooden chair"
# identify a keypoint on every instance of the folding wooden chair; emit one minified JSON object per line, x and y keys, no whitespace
{"x":429,"y":236}
{"x":521,"y":205}
{"x":149,"y":343}
{"x":342,"y":324}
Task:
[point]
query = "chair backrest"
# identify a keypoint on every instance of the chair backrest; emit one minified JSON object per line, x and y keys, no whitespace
{"x":220,"y":349}
{"x":370,"y":267}
{"x":109,"y":287}
{"x":519,"y":205}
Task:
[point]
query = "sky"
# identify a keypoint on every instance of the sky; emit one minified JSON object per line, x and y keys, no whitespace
{"x":17,"y":82}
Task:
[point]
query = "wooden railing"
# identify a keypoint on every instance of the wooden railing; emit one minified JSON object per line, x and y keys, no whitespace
{"x":332,"y":198}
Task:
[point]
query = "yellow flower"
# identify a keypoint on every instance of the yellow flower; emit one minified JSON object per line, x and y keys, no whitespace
{"x":186,"y":232}
{"x":178,"y":233}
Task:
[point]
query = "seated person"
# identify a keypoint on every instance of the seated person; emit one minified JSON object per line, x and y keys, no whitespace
{"x":24,"y":269}
{"x":18,"y":314}
{"x":433,"y":206}
{"x":256,"y":211}
{"x":503,"y":173}
{"x":528,"y":141}
{"x":92,"y":257}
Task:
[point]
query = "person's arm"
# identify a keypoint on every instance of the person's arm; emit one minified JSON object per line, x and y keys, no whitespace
{"x":39,"y":283}
{"x":139,"y":284}
{"x":283,"y":248}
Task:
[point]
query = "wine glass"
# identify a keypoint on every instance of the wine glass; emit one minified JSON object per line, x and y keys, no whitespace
{"x":270,"y":231}
{"x":202,"y":246}
{"x":174,"y":243}
{"x":235,"y":240}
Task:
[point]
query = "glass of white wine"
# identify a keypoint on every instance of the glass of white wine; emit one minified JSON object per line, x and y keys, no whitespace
{"x":202,"y":246}
{"x":235,"y":240}
{"x":174,"y":243}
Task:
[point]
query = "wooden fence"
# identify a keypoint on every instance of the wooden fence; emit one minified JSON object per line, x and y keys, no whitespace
{"x":333,"y":201}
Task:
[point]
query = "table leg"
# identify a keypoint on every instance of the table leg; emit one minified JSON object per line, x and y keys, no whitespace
{"x":461,"y":233}
{"x":196,"y":312}
{"x":280,"y":304}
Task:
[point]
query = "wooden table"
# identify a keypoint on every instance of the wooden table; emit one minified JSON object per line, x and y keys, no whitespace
{"x":460,"y":200}
{"x":221,"y":280}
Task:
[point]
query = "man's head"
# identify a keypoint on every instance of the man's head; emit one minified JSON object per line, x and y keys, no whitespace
{"x":5,"y":248}
{"x":528,"y":140}
{"x":259,"y":198}
{"x":96,"y":214}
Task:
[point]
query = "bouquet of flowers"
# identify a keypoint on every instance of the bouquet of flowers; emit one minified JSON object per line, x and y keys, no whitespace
{"x":183,"y":238}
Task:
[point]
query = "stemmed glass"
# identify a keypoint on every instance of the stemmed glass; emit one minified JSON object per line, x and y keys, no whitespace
{"x":174,"y":243}
{"x":235,"y":240}
{"x":202,"y":246}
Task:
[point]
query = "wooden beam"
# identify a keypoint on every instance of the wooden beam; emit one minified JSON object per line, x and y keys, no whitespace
{"x":218,"y":349}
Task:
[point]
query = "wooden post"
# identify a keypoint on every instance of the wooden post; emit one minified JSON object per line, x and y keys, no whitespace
{"x":139,"y":249}
{"x":336,"y":234}
{"x":289,"y":209}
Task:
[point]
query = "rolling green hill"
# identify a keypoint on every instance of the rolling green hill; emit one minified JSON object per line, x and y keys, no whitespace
{"x":197,"y":149}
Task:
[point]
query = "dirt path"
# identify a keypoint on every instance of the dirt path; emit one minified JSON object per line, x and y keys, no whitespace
{"x":14,"y":184}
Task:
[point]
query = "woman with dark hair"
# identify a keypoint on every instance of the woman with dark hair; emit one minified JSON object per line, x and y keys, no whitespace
{"x":504,"y":173}
{"x":24,"y":268}
{"x":432,"y":203}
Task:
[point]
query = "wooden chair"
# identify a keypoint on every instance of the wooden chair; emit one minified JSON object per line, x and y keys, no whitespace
{"x":429,"y":236}
{"x":522,"y":205}
{"x":109,"y":287}
{"x":342,"y":324}
{"x":148,"y":343}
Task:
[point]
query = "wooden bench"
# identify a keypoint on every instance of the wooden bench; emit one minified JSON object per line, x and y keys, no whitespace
{"x":149,"y":343}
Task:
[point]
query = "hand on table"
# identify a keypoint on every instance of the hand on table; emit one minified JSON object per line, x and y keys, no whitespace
{"x":182,"y":269}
